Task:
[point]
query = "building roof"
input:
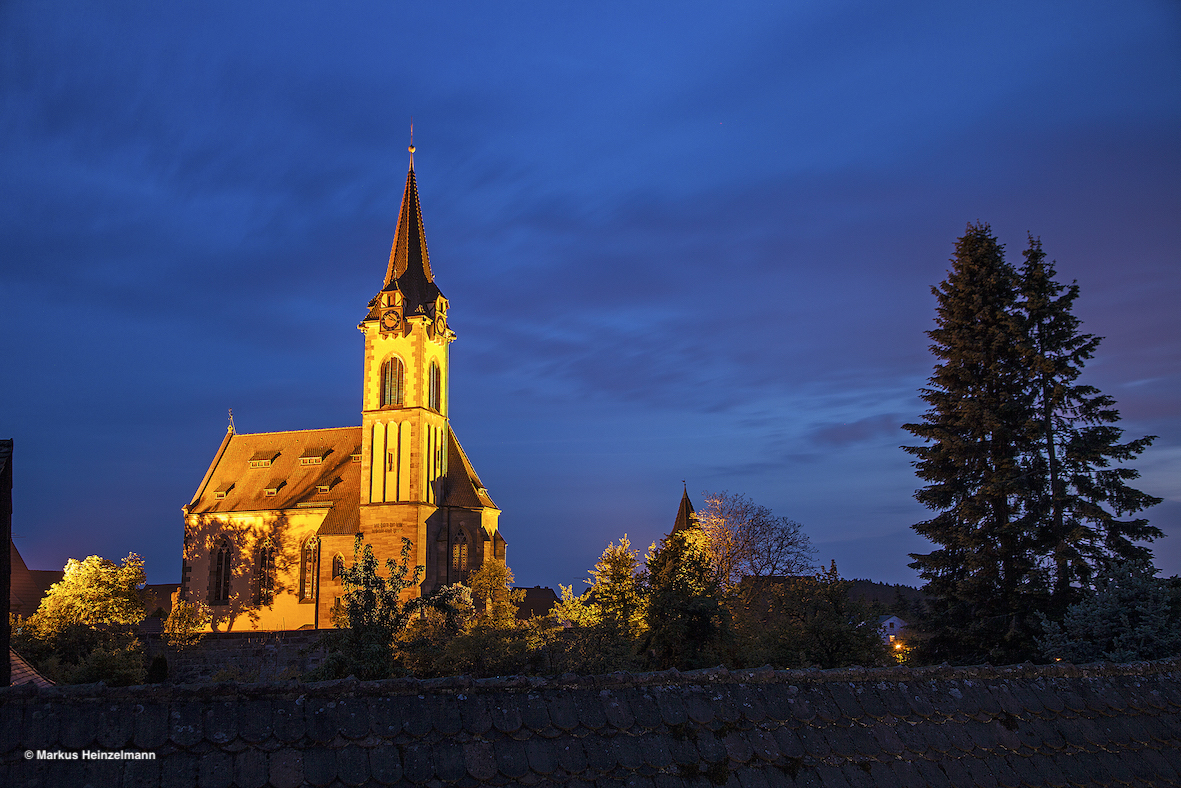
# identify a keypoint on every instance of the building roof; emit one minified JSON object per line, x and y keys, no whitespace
{"x":686,"y":516}
{"x":22,"y":672}
{"x":28,"y":585}
{"x":306,"y":469}
{"x":537,"y":601}
{"x":464,"y":487}
{"x":409,"y":270}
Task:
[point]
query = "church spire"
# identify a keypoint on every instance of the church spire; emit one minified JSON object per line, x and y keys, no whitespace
{"x":409,"y":269}
{"x":686,"y":516}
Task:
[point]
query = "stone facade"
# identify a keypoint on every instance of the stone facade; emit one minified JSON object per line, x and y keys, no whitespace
{"x":1060,"y":725}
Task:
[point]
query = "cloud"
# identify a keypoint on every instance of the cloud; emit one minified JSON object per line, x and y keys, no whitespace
{"x":843,"y":434}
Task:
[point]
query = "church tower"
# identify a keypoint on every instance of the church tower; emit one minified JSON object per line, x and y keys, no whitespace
{"x":416,"y":481}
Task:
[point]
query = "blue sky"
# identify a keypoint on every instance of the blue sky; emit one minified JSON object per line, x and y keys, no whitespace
{"x":680,"y":240}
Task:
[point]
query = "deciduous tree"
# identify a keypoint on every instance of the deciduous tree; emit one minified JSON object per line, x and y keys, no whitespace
{"x":744,"y":539}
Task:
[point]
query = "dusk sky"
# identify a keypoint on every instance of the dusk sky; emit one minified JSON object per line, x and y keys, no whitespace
{"x":680,"y":241}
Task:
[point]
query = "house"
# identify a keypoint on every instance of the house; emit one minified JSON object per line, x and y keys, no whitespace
{"x":273,"y":522}
{"x":891,"y":628}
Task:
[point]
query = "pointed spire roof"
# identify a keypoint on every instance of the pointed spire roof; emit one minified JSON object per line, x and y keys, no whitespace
{"x":409,"y":269}
{"x":686,"y":516}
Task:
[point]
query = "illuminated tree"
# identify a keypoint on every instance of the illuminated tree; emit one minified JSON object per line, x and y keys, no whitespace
{"x":370,"y":617}
{"x":686,"y":623}
{"x":84,"y":629}
{"x":744,"y":539}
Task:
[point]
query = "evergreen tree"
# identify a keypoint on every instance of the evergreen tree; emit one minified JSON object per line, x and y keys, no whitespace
{"x":980,"y":580}
{"x":1076,"y":495}
{"x":686,"y":623}
{"x":1131,"y":615}
{"x":1018,"y":459}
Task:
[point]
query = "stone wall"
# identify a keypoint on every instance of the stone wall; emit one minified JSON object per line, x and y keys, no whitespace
{"x":1058,"y":725}
{"x":241,"y":656}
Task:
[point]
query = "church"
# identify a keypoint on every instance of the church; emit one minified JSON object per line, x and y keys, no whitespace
{"x":273,"y":523}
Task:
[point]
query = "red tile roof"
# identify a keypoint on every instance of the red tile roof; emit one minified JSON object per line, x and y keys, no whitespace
{"x":296,"y":483}
{"x":23,"y":672}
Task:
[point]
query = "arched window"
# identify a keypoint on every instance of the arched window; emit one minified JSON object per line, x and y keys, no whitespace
{"x":307,"y":570}
{"x":436,"y":388}
{"x":223,"y":574}
{"x":265,"y":593}
{"x":337,"y":566}
{"x":392,"y":374}
{"x":459,"y":553}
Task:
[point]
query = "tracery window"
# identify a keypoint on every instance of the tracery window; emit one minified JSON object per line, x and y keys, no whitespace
{"x":307,"y":566}
{"x":265,"y":593}
{"x":392,"y":376}
{"x":223,"y":573}
{"x":337,"y":566}
{"x":459,"y":558}
{"x":436,"y":388}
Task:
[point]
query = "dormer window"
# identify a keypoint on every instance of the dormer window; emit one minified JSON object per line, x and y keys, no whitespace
{"x":314,"y":456}
{"x":325,"y":486}
{"x":356,"y":455}
{"x":222,"y":491}
{"x":263,"y":459}
{"x":273,"y":487}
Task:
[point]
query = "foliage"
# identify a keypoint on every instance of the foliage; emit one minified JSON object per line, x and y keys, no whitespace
{"x":687,"y":626}
{"x":84,"y":629}
{"x":799,"y":622}
{"x":616,"y":588}
{"x":370,"y":617}
{"x":495,"y":598}
{"x":1131,"y":615}
{"x":92,"y":592}
{"x":744,"y":539}
{"x":601,"y":626}
{"x":577,"y":610}
{"x":184,"y":626}
{"x":1077,"y":497}
{"x":1016,"y":458}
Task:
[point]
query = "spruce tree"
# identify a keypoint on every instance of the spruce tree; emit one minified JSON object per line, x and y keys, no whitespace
{"x":1076,"y":495}
{"x":980,"y":579}
{"x":1023,"y":463}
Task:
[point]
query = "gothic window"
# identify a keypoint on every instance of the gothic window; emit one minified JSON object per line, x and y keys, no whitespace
{"x":337,"y":566}
{"x":459,"y":561}
{"x":392,"y":375}
{"x":265,"y":593}
{"x":223,"y":574}
{"x":307,"y":570}
{"x":436,"y":388}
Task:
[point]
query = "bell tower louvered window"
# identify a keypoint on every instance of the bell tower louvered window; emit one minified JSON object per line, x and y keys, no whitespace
{"x":392,"y":376}
{"x":436,"y":388}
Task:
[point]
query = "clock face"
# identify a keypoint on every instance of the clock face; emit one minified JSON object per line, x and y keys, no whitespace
{"x":390,"y":320}
{"x":440,"y":324}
